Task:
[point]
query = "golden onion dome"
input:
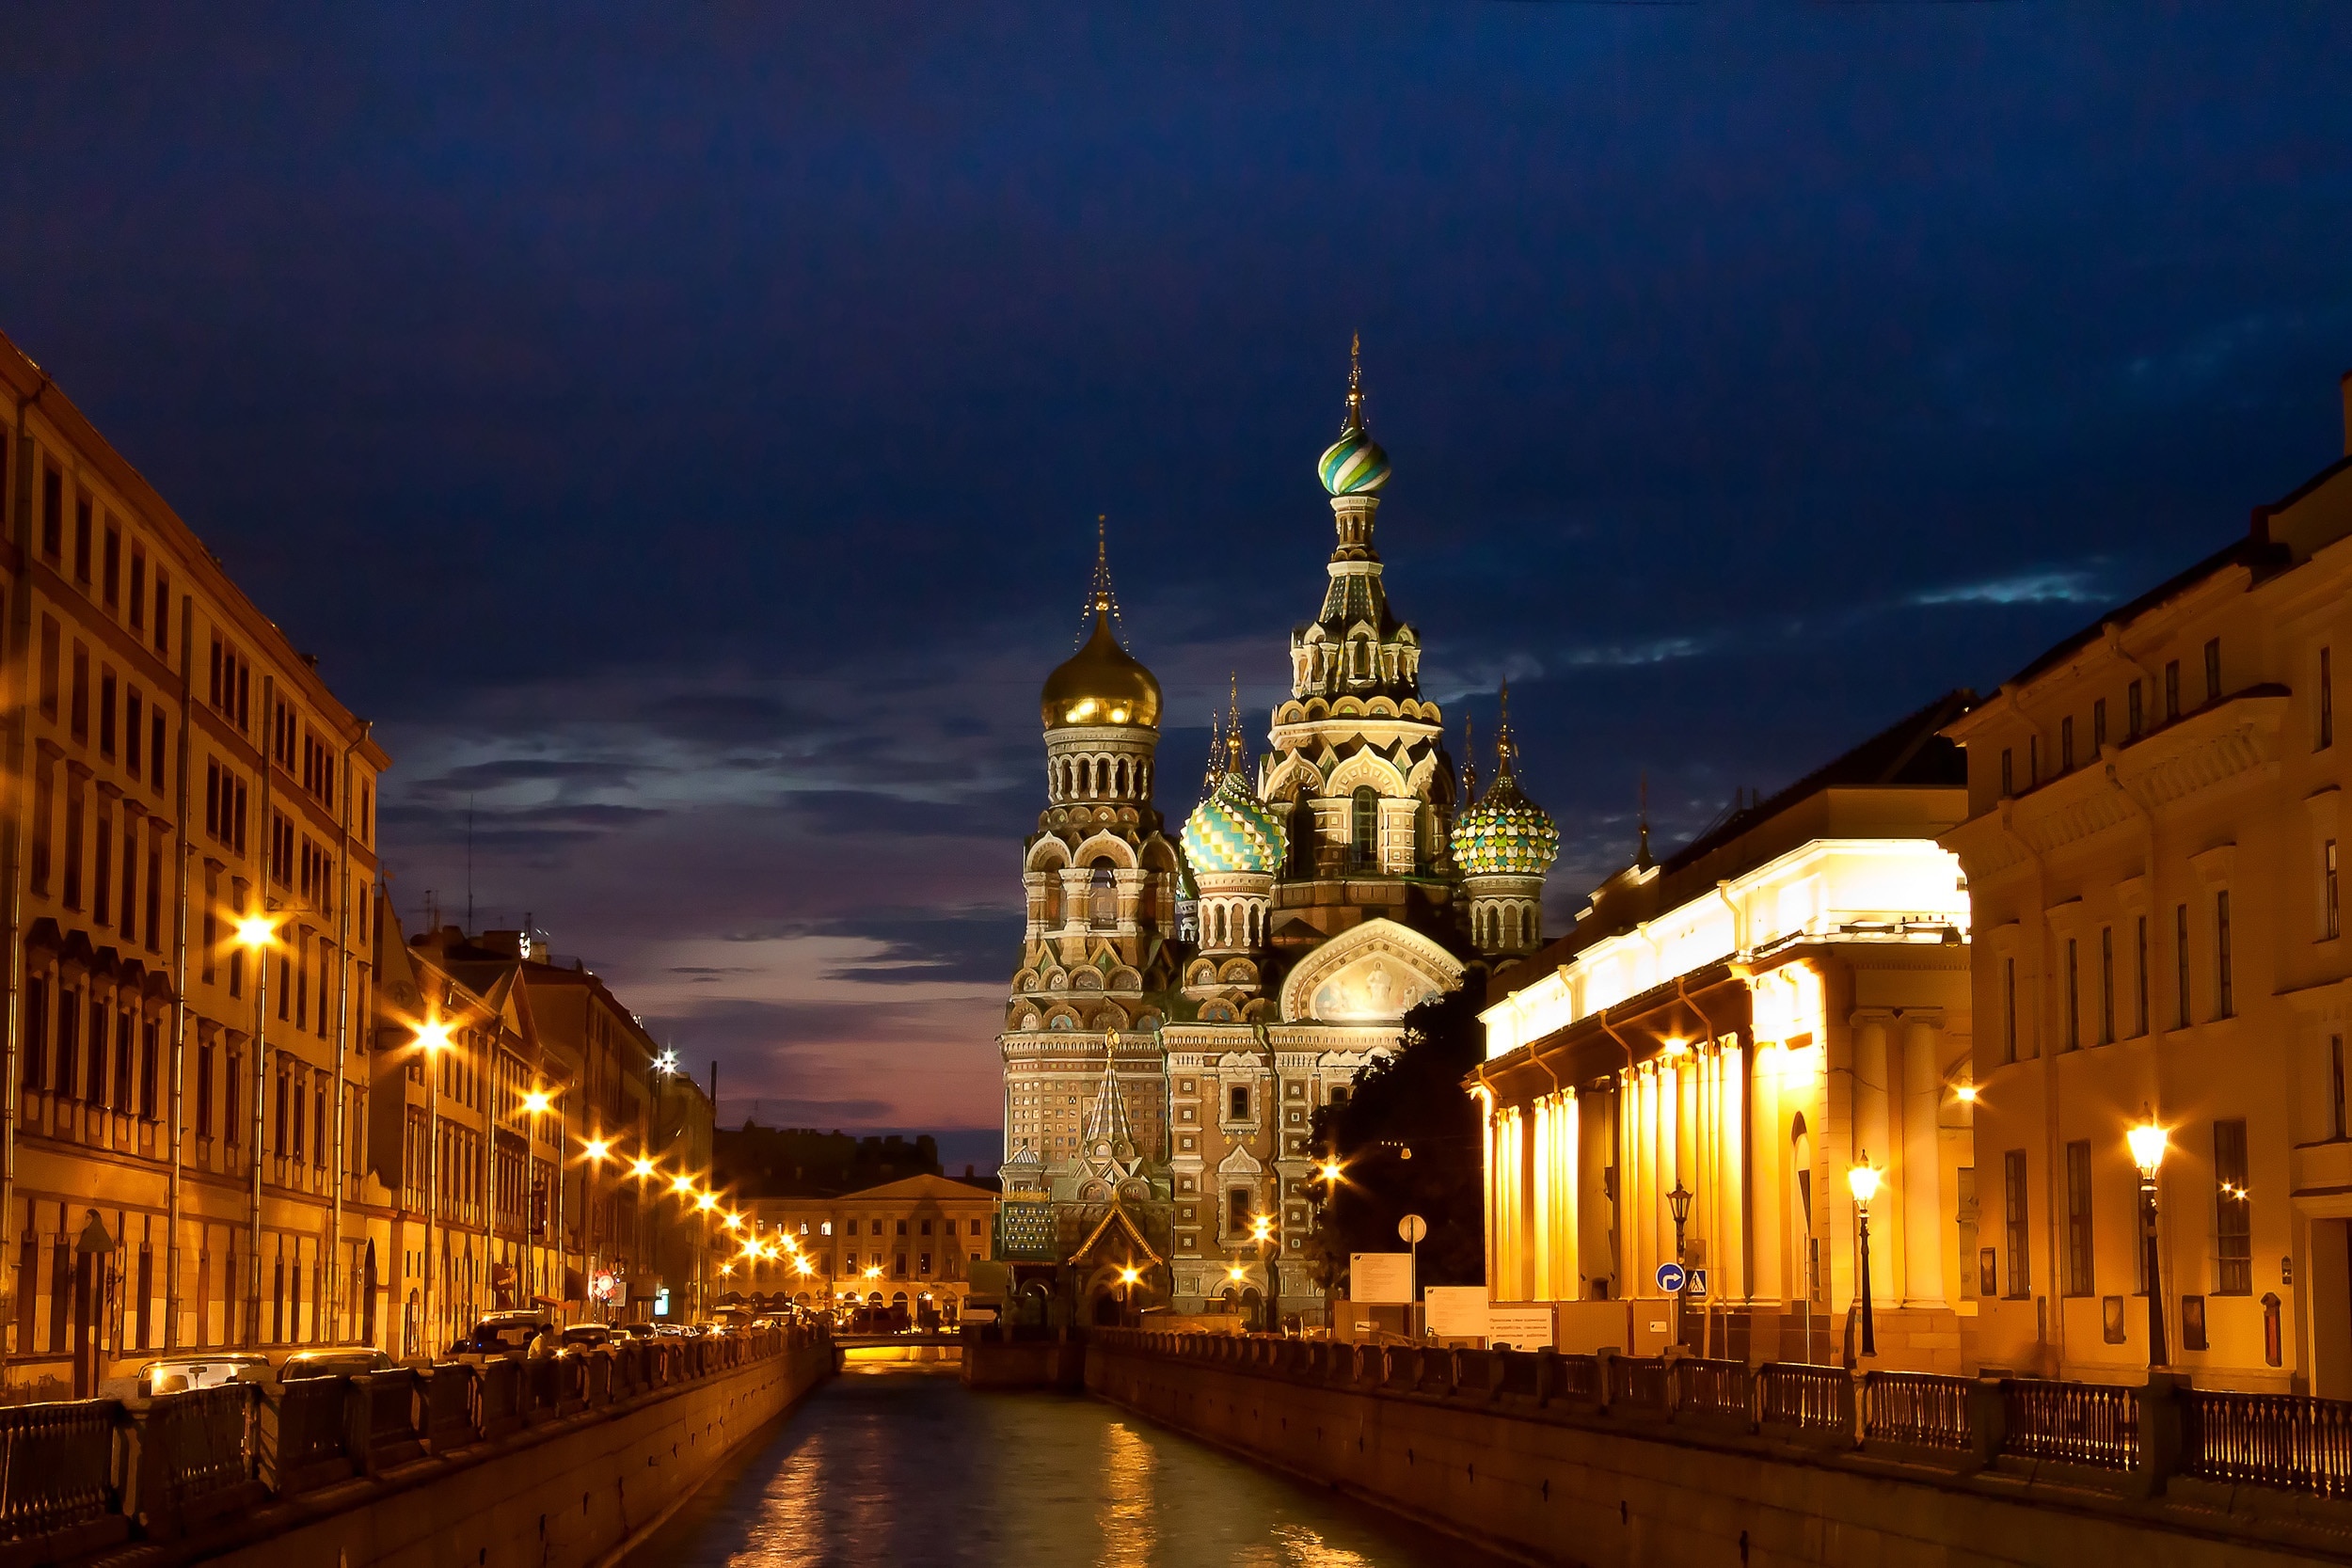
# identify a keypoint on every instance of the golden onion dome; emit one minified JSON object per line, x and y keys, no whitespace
{"x":1102,"y":684}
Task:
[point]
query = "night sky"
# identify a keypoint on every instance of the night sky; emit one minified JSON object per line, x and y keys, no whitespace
{"x":683,"y":429}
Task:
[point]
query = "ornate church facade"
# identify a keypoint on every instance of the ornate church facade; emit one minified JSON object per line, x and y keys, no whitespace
{"x":1186,"y":1002}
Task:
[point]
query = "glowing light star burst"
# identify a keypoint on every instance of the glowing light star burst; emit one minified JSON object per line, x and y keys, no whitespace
{"x":641,"y":1167}
{"x":433,"y":1036}
{"x":536,"y":1102}
{"x":256,"y":931}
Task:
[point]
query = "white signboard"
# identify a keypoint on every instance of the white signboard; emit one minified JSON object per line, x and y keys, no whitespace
{"x":1456,"y":1311}
{"x":1519,"y":1327}
{"x":1380,"y":1278}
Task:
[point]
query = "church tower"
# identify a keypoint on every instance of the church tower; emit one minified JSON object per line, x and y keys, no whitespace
{"x":1358,"y":772}
{"x":1505,"y":845}
{"x":1234,"y":848}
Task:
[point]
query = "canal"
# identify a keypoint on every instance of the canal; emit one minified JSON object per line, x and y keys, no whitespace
{"x":892,"y":1464}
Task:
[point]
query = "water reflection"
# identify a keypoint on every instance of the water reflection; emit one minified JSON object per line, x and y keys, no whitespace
{"x":892,"y":1464}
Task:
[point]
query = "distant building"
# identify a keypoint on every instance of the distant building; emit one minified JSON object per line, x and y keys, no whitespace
{"x":2154,"y":844}
{"x":752,"y":1161}
{"x":909,"y":1244}
{"x":1185,"y":1002}
{"x":189,"y":1113}
{"x":1745,"y":1023}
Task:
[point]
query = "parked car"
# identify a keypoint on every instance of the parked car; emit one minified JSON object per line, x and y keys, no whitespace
{"x":180,"y":1374}
{"x":587,"y":1336}
{"x":341,"y":1362}
{"x":638,"y":1331}
{"x":503,"y":1333}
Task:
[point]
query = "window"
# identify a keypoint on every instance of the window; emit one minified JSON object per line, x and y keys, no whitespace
{"x":134,"y":715}
{"x":2013,"y":1203}
{"x":1237,"y":1206}
{"x":2135,"y":712}
{"x":2180,"y":950}
{"x":110,"y":568}
{"x":51,"y":514}
{"x":139,"y":588}
{"x":2331,"y":911}
{"x":156,"y":749}
{"x":2327,"y":727}
{"x":2008,"y":1009}
{"x":105,"y":712}
{"x":2223,"y":1001}
{"x":2078,"y":1255}
{"x":1102,"y":897}
{"x":2234,"y":1220}
{"x":2066,"y":744}
{"x":48,"y":655}
{"x":1237,"y":1101}
{"x":2171,"y":689}
{"x":163,"y":611}
{"x":81,"y":540}
{"x":2335,"y":1082}
{"x":2098,"y":726}
{"x":77,"y":716}
{"x":2213,"y":669}
{"x":2106,"y":985}
{"x":2009,"y":772}
{"x":1364,"y":835}
{"x":2139,"y":1012}
{"x":2073,"y":995}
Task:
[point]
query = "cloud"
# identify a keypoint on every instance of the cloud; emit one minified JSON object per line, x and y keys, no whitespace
{"x":2050,"y":587}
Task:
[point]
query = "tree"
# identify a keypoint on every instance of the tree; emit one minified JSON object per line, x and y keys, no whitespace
{"x":1409,"y":1142}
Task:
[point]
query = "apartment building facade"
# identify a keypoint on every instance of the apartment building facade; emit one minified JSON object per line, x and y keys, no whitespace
{"x":188,"y":842}
{"x":2153,"y":849}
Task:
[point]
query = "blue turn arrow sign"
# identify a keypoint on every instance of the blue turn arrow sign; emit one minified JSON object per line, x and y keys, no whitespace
{"x":1670,"y":1278}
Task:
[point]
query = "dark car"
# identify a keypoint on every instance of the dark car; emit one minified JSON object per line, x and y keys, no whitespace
{"x":342,"y":1362}
{"x":587,"y":1336}
{"x":503,"y":1333}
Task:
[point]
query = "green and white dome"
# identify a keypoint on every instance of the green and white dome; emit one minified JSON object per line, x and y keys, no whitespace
{"x":1354,"y":465}
{"x":1231,"y":831}
{"x":1505,"y":834}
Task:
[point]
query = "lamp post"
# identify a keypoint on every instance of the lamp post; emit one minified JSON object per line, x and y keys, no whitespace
{"x":431,"y":1038}
{"x":641,"y":1168}
{"x":593,"y":1152}
{"x":1127,"y":1278}
{"x":1261,"y":1232}
{"x":257,"y":935}
{"x":2147,"y":1146}
{"x":1863,"y":1182}
{"x":534,"y":1105}
{"x":1679,"y":1205}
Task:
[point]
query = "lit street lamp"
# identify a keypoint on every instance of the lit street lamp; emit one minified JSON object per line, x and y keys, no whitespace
{"x":1127,"y":1278}
{"x":1863,"y":1182}
{"x":257,"y":935}
{"x":431,"y":1038}
{"x":2147,"y":1145}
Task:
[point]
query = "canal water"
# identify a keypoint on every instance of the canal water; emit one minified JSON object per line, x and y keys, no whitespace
{"x":895,"y":1464}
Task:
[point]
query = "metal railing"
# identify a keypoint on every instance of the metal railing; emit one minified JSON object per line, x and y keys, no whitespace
{"x":1639,"y":1381}
{"x":64,"y":1467}
{"x":1805,"y":1397}
{"x":1706,"y":1388}
{"x":2290,"y":1441}
{"x":2079,"y":1423}
{"x":56,"y":1467}
{"x":1918,"y":1408}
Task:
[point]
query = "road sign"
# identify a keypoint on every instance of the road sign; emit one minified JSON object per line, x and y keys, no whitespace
{"x":1670,"y":1278}
{"x":1411,"y":1229}
{"x":1698,"y":1282}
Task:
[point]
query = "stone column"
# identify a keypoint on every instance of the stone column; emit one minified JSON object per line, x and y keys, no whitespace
{"x":1922,"y":1176}
{"x":1873,"y":1136}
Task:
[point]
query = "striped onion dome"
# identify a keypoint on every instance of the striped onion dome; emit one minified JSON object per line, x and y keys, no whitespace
{"x":1231,"y":831}
{"x":1354,"y":465}
{"x":1507,"y":835}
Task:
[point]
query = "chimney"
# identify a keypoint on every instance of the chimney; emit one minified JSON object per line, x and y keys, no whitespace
{"x":2344,"y":384}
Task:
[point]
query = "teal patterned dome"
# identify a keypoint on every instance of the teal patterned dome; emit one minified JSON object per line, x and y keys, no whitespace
{"x":1354,"y":465}
{"x":1505,"y":834}
{"x":1231,"y":831}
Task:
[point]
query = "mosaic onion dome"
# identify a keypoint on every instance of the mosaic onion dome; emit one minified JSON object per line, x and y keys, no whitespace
{"x":1354,"y":465}
{"x":1507,"y":835}
{"x":1231,"y":831}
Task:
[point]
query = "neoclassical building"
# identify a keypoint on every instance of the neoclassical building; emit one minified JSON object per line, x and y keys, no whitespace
{"x":1186,"y":1002}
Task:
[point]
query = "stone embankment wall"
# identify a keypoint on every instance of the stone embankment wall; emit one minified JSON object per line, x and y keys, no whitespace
{"x":1565,"y":1482}
{"x":576,"y":1491}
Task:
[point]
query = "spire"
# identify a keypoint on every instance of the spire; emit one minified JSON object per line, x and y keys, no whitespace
{"x":1235,"y":751}
{"x":1217,"y":754}
{"x":1106,"y":1120}
{"x":1505,"y":749}
{"x":1640,"y":857}
{"x":1355,"y":420}
{"x":1470,"y":762}
{"x":1101,"y":599}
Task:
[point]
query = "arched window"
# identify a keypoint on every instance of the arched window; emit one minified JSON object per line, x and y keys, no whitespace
{"x":1365,"y":839}
{"x":1102,"y":897}
{"x":1051,"y":916}
{"x":1298,"y":857}
{"x":1120,"y":775}
{"x":1217,"y":925}
{"x":1511,"y":926}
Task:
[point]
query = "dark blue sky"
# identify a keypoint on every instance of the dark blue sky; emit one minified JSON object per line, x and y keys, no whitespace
{"x":682,"y":429}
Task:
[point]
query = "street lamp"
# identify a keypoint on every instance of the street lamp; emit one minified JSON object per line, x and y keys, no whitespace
{"x":1261,"y":1232}
{"x":1863,"y":1182}
{"x":431,"y":1038}
{"x":2147,"y":1145}
{"x":257,"y":935}
{"x":1679,"y":1205}
{"x":1127,"y":1278}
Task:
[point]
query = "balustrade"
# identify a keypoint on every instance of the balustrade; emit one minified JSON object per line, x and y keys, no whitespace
{"x":1711,"y":1387}
{"x":2290,"y":1441}
{"x":2080,"y":1423}
{"x":1798,"y":1398}
{"x":1918,"y":1409}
